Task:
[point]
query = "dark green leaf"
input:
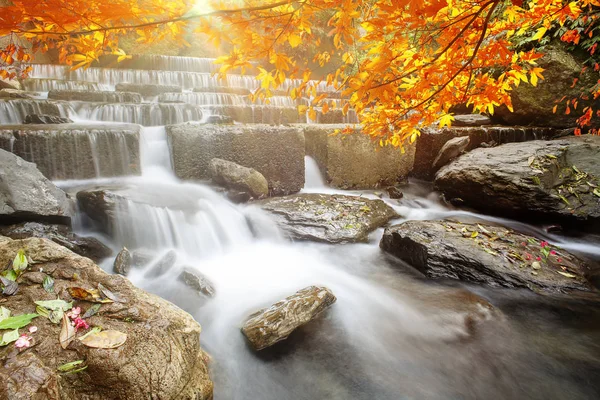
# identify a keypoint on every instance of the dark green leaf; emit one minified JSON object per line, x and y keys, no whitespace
{"x":70,"y":366}
{"x":92,"y":310}
{"x":10,"y":274}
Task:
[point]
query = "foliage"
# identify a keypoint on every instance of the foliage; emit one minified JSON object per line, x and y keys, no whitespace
{"x":405,"y":63}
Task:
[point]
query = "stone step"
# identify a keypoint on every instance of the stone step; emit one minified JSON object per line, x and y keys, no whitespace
{"x":146,"y":114}
{"x":226,"y":99}
{"x":48,"y":84}
{"x":277,"y":152}
{"x":14,"y":111}
{"x":76,"y":151}
{"x":147,"y":90}
{"x":95,"y":96}
{"x":160,"y":63}
{"x":256,"y":114}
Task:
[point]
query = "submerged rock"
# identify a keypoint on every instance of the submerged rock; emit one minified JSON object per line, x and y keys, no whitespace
{"x":123,"y":261}
{"x":355,"y":161}
{"x":26,"y":195}
{"x":540,"y":179}
{"x":276,"y":152}
{"x":46,"y":119}
{"x":239,"y":178}
{"x":485,"y":254}
{"x":162,"y":340}
{"x":451,"y":149}
{"x":274,"y":324}
{"x":163,"y":265}
{"x":328,"y":218}
{"x":197,"y":281}
{"x":84,"y":246}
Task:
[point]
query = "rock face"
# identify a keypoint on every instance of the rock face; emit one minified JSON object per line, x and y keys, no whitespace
{"x":354,"y":161}
{"x":122,"y":264}
{"x":25,"y":194}
{"x":539,"y":179}
{"x":76,"y":151}
{"x":276,"y":152}
{"x":484,"y":254}
{"x":432,"y":140}
{"x":451,"y":149}
{"x":98,"y":96}
{"x":147,"y":89}
{"x":236,"y":177}
{"x":162,"y":340}
{"x":84,"y":246}
{"x":274,"y":324}
{"x":197,"y":282}
{"x":328,"y":218}
{"x":533,"y":105}
{"x":471,"y":120}
{"x":101,"y":206}
{"x":46,"y":119}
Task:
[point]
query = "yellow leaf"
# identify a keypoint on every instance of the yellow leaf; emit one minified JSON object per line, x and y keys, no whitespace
{"x":109,"y":339}
{"x":540,"y":33}
{"x":446,"y":120}
{"x":294,"y":40}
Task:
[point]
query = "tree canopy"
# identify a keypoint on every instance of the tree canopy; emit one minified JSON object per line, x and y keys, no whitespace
{"x":401,"y":64}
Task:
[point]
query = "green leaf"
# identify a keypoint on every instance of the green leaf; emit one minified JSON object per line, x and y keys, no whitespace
{"x":56,"y":316}
{"x":597,"y":192}
{"x":48,"y":284}
{"x":563,"y":198}
{"x":10,"y":274}
{"x":17,"y":321}
{"x":70,"y":366}
{"x":94,"y":330}
{"x":4,"y":313}
{"x":20,"y":262}
{"x":75,"y":371}
{"x":92,"y":310}
{"x":55,"y":304}
{"x":43,"y":312}
{"x":576,"y":170}
{"x":9,"y":337}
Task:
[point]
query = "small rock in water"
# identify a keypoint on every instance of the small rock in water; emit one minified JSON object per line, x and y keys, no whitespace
{"x":395,"y":193}
{"x":238,"y":178}
{"x":197,"y":281}
{"x":451,"y":149}
{"x":269,"y":326}
{"x":163,"y":265}
{"x":141,"y":258}
{"x":122,"y":263}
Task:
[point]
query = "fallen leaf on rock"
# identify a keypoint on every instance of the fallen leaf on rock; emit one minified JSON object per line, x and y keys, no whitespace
{"x":20,"y":262}
{"x":94,"y":330}
{"x":48,"y":284}
{"x":4,"y":313}
{"x":92,"y":311}
{"x":536,"y":265}
{"x":56,"y":316}
{"x":104,"y":340}
{"x":114,"y":297}
{"x":597,"y":192}
{"x":568,"y":275}
{"x":474,"y":234}
{"x":10,"y":287}
{"x":67,"y":332}
{"x":70,"y":366}
{"x":9,"y":337}
{"x":55,"y":304}
{"x":91,"y":295}
{"x":17,"y":321}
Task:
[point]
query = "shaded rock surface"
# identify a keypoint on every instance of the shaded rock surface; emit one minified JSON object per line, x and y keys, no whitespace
{"x":450,"y":150}
{"x":61,"y":234}
{"x":46,"y":119}
{"x":533,"y":105}
{"x":328,"y":218}
{"x":471,"y":120}
{"x":539,"y":179}
{"x":76,"y":151}
{"x":484,"y":254}
{"x":101,"y":206}
{"x":162,"y":340}
{"x":269,"y":326}
{"x":432,"y":140}
{"x":98,"y":96}
{"x":123,"y":261}
{"x":354,"y":161}
{"x":236,"y":177}
{"x":147,"y":89}
{"x":25,"y":194}
{"x":276,"y":152}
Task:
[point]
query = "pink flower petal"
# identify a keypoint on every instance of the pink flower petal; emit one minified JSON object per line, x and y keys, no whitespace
{"x":23,"y":342}
{"x":33,"y":329}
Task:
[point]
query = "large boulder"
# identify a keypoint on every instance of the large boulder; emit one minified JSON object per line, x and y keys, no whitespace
{"x":431,"y":141}
{"x":563,"y":79}
{"x":485,"y":254}
{"x":84,"y":246}
{"x":328,"y":218}
{"x":239,"y":178}
{"x":26,"y":195}
{"x":354,"y":161}
{"x":76,"y":151}
{"x":540,"y":179}
{"x":161,"y":356}
{"x":266,"y":327}
{"x":277,"y":152}
{"x":93,"y":95}
{"x":147,"y":89}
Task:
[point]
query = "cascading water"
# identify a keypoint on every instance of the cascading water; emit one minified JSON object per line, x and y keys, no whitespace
{"x":14,"y":111}
{"x":390,"y":335}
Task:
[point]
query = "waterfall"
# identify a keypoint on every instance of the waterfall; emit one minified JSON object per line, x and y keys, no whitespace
{"x":14,"y":111}
{"x":147,"y":114}
{"x":46,"y":85}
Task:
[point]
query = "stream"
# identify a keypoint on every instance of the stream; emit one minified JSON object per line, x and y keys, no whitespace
{"x":392,"y":334}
